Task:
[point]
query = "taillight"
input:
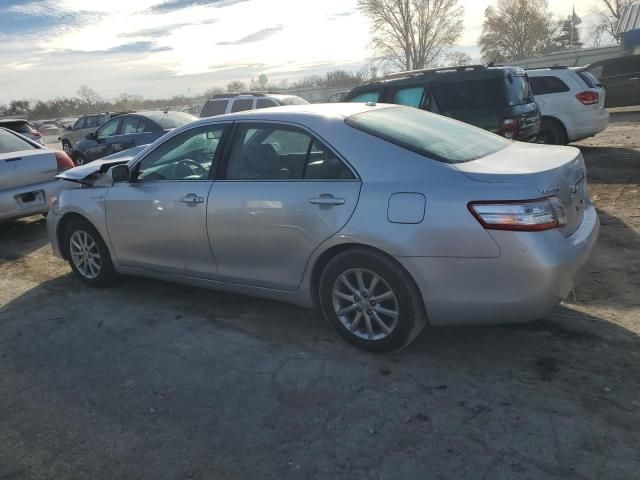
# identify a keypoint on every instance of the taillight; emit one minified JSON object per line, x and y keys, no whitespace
{"x":525,"y":216}
{"x":64,"y":161}
{"x":588,"y":98}
{"x":509,"y":128}
{"x":36,"y":133}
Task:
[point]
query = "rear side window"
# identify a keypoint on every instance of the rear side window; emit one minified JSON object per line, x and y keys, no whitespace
{"x":546,"y":85}
{"x":214,"y":107}
{"x":469,"y":94}
{"x":11,"y":143}
{"x":242,"y":104}
{"x":412,"y":96}
{"x":265,"y":103}
{"x":433,"y":136}
{"x":366,"y":97}
{"x":589,"y":79}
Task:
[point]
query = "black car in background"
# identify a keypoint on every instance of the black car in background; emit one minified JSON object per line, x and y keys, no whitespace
{"x":621,"y":77}
{"x":127,"y":131}
{"x":498,"y":99}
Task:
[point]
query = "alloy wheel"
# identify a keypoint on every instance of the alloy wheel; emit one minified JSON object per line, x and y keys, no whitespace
{"x":365,"y":304}
{"x":85,"y":254}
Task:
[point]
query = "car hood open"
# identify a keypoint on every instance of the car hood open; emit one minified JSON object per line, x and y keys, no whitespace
{"x":89,"y":173}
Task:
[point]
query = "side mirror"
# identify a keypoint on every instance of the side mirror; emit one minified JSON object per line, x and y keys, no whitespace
{"x":120,"y":173}
{"x":91,"y":136}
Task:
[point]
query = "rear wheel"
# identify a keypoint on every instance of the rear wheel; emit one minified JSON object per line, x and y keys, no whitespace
{"x":88,"y":255}
{"x":552,"y":132}
{"x":371,"y":301}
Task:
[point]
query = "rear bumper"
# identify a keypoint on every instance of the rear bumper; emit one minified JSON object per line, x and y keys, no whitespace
{"x":12,"y":208}
{"x":533,"y":273}
{"x":585,"y":124}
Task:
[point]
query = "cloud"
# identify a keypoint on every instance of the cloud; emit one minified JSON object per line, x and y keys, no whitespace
{"x":171,"y":5}
{"x":255,"y":36}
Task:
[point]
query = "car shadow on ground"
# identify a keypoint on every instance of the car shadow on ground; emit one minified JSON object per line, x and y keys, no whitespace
{"x":19,"y":238}
{"x":149,"y":378}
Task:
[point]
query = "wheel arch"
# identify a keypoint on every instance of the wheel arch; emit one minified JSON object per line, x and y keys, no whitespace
{"x":560,"y":123}
{"x":325,"y":257}
{"x":63,"y":223}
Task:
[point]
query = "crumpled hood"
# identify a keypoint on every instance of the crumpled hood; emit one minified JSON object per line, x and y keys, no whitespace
{"x":98,"y":167}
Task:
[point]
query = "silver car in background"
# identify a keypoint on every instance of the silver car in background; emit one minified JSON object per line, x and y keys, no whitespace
{"x":386,"y":218}
{"x":27,"y":172}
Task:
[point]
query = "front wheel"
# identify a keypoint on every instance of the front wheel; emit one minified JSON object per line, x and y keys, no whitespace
{"x":371,"y":301}
{"x":88,"y":255}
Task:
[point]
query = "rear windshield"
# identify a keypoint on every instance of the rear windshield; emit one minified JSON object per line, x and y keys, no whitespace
{"x":518,"y":90}
{"x":171,"y":119}
{"x":11,"y":143}
{"x":433,"y":136}
{"x":488,"y":93}
{"x":20,"y":126}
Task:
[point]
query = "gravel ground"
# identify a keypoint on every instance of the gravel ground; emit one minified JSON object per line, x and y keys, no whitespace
{"x":158,"y":381}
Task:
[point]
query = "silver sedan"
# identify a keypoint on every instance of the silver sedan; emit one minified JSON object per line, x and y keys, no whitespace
{"x":386,"y":218}
{"x":27,"y":175}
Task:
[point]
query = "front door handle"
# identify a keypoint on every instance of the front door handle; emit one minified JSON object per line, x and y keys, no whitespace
{"x":327,"y":200}
{"x":192,"y":199}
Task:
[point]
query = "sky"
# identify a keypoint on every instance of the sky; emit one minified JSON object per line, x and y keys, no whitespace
{"x":161,"y":48}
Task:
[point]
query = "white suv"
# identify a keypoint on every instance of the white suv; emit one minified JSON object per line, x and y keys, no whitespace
{"x":239,"y":102}
{"x":571,"y":104}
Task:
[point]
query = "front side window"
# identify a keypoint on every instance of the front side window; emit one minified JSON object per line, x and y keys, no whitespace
{"x":109,"y":129}
{"x":91,"y":122}
{"x":265,"y":103}
{"x":366,"y":97}
{"x":277,"y":152}
{"x":214,"y":107}
{"x":187,"y":156}
{"x":411,"y":97}
{"x":79,"y":124}
{"x":242,"y":104}
{"x":433,"y":136}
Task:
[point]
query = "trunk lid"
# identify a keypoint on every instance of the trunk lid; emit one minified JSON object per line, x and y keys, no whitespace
{"x":18,"y":169}
{"x":552,"y":171}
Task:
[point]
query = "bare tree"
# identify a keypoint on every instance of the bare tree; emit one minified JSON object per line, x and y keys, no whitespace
{"x":88,"y":95}
{"x":412,"y":34}
{"x":456,"y":58}
{"x":516,"y":29}
{"x":609,"y":16}
{"x":236,"y":86}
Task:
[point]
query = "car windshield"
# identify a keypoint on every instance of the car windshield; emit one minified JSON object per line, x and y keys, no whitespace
{"x":12,"y":143}
{"x":170,"y":120}
{"x":433,"y":136}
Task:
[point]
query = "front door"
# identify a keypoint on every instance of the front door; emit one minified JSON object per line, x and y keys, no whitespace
{"x":282,"y":194}
{"x":103,"y":142}
{"x":157,"y":221}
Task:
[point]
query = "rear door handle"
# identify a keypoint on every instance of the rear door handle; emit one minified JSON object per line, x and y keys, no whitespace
{"x":192,"y":199}
{"x":327,"y":200}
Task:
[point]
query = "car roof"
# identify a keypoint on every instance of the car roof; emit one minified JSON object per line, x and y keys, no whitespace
{"x":299,"y":112}
{"x":12,"y":120}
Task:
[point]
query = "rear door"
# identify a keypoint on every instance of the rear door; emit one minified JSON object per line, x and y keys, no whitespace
{"x":283,"y":192}
{"x":135,"y":131}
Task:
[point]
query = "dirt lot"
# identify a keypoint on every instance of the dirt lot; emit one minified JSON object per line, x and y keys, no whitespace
{"x":158,"y":381}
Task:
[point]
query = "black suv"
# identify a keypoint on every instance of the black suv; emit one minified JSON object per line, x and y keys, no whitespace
{"x":498,"y":99}
{"x":621,"y":77}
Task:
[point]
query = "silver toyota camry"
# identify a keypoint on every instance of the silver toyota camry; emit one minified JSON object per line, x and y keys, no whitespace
{"x":386,"y":218}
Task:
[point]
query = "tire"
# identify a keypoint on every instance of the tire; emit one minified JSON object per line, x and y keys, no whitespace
{"x":552,"y":132}
{"x":92,"y":265}
{"x":66,"y":146}
{"x":358,"y":324}
{"x":79,"y":159}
